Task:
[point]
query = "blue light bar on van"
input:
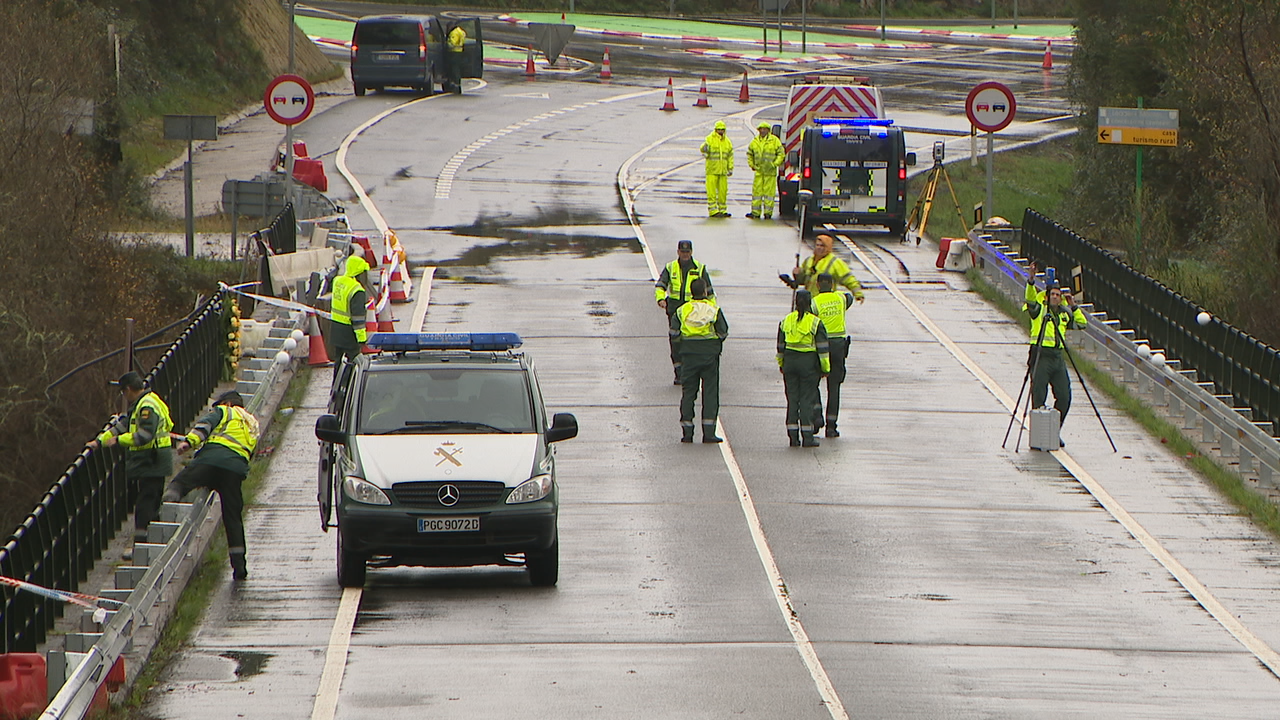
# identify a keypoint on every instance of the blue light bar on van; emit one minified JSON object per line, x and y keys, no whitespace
{"x":408,"y":342}
{"x":852,"y":121}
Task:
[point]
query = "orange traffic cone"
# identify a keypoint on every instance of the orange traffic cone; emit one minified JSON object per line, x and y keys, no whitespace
{"x":316,"y":354}
{"x":670,"y":105}
{"x":702,"y":94}
{"x":398,"y":295}
{"x":744,"y":95}
{"x":385,"y":318}
{"x":605,"y":71}
{"x":1048,"y":56}
{"x":529,"y":70}
{"x":363,"y":242}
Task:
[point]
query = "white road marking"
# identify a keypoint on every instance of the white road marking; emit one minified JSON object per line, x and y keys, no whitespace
{"x":808,"y":655}
{"x":1205,"y":597}
{"x":335,"y":659}
{"x":424,"y":299}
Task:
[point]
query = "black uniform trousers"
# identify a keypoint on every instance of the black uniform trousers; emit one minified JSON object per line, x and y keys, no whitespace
{"x":345,"y":345}
{"x":226,"y":483}
{"x":839,"y":351}
{"x":147,"y":507}
{"x":801,"y":372}
{"x":673,"y":341}
{"x":1050,"y":370}
{"x":700,"y":366}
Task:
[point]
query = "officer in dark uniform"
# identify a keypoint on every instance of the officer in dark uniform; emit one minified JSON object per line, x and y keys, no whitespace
{"x":672,"y":291}
{"x":803,"y":360}
{"x":830,"y":307}
{"x":702,"y":328}
{"x":228,"y":434}
{"x":143,"y":430}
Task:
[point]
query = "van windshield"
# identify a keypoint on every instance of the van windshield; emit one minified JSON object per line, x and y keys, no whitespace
{"x":445,"y":400}
{"x":387,"y":33}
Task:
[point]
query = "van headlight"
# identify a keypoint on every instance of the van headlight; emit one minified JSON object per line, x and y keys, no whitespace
{"x":535,"y":488}
{"x":363,"y":491}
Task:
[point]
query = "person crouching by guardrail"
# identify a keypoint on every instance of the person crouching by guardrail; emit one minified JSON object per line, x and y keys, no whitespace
{"x":1045,"y":359}
{"x":226,"y":436}
{"x":143,"y":430}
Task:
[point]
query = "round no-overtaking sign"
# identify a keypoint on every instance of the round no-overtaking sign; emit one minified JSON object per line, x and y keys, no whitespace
{"x":990,"y":107}
{"x":289,"y":99}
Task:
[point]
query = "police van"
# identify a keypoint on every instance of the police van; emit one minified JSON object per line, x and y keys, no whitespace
{"x":436,"y":452}
{"x":853,"y":171}
{"x":410,"y":51}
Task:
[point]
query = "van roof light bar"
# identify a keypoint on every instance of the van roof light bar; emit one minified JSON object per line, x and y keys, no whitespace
{"x":410,"y":342}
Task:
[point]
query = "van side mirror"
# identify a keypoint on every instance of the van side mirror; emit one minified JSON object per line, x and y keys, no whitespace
{"x":329,"y":429}
{"x":563,"y":427}
{"x":911,"y":159}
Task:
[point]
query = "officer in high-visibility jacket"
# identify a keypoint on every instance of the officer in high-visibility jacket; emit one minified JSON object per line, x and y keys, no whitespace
{"x":1053,"y":312}
{"x":350,"y":298}
{"x":226,"y":436}
{"x":764,"y":155}
{"x":702,"y":328}
{"x":144,"y":431}
{"x":717,"y":150}
{"x":830,"y":307}
{"x":803,"y":359}
{"x":824,"y":260}
{"x":672,"y":290}
{"x":456,"y":39}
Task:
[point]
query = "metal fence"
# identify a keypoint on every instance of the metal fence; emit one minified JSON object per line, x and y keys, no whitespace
{"x":1239,"y":365}
{"x":66,"y":533}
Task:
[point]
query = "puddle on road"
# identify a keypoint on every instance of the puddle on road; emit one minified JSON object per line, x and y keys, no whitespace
{"x":561,"y":230}
{"x":248,"y":663}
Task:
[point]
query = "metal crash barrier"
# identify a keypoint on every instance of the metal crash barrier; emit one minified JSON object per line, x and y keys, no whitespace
{"x":1152,"y":370}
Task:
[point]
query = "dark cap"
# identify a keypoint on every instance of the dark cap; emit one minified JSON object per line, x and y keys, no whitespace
{"x":131,"y":380}
{"x":685,"y":245}
{"x":230,"y":397}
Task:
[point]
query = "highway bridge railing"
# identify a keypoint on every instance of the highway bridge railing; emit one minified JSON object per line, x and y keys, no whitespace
{"x":1223,"y":429}
{"x":1237,"y":363}
{"x":67,"y":532}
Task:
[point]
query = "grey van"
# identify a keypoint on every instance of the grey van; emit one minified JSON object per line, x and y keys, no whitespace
{"x":409,"y":51}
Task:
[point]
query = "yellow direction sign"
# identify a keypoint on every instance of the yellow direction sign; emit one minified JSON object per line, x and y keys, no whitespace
{"x":1137,"y":136}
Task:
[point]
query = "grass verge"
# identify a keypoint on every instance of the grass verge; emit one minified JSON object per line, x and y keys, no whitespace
{"x":1262,"y":511}
{"x":213,"y":567}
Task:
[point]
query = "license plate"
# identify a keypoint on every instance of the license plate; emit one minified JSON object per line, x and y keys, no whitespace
{"x":451,"y":524}
{"x":386,"y":57}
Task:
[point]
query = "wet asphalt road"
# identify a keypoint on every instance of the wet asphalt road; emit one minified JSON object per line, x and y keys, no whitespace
{"x":935,"y":574}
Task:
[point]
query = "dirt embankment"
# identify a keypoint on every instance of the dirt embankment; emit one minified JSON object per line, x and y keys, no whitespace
{"x":264,"y":22}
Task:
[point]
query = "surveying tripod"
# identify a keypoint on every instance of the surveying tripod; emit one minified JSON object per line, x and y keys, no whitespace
{"x":919,"y":217}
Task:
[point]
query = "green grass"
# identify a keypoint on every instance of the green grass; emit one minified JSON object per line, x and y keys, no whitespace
{"x":1038,"y":177}
{"x":1247,"y":501}
{"x":195,"y":598}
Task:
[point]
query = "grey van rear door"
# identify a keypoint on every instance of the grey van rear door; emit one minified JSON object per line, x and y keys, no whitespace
{"x":473,"y":48}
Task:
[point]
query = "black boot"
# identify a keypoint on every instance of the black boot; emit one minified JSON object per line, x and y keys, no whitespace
{"x":687,"y":436}
{"x":794,"y":435}
{"x":832,"y":432}
{"x":239,"y":569}
{"x":709,"y":433}
{"x":809,"y":440}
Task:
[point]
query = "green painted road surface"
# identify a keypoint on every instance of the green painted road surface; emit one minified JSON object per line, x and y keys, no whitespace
{"x":692,"y":28}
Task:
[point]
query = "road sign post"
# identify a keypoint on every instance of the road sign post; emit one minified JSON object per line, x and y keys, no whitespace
{"x":1138,"y":126}
{"x":990,"y":107}
{"x":289,"y":100}
{"x":189,"y":128}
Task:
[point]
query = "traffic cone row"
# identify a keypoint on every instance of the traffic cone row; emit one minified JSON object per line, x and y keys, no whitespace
{"x":670,"y":104}
{"x":529,"y":70}
{"x":702,"y":95}
{"x":605,"y":71}
{"x":744,"y":95}
{"x":1048,"y":56}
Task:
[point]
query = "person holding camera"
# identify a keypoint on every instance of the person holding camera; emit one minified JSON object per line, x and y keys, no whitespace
{"x":1053,"y":311}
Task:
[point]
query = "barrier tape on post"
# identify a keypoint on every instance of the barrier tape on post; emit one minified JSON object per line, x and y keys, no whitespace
{"x":75,"y":598}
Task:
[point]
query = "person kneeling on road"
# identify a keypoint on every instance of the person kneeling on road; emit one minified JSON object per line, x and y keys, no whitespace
{"x":228,"y":434}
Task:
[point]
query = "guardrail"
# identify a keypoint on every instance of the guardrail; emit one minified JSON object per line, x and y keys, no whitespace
{"x":57,"y":544}
{"x":1226,"y":430}
{"x":1235,"y":362}
{"x":88,"y":670}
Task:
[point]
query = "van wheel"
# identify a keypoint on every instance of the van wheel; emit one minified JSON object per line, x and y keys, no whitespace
{"x":360,"y":90}
{"x":351,"y":566}
{"x":544,"y":566}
